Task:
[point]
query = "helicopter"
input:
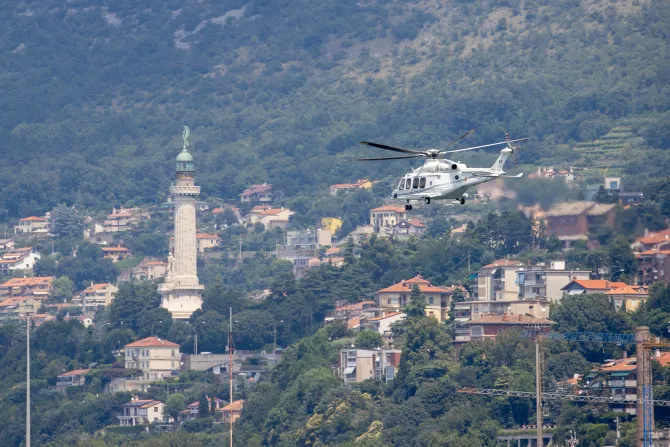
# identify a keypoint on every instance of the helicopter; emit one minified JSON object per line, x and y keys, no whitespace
{"x":441,"y":178}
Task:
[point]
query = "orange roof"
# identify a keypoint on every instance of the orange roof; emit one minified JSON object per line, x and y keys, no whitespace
{"x":628,"y":364}
{"x":628,"y":290}
{"x":393,"y":208}
{"x":504,"y":263}
{"x":389,"y":315}
{"x":258,"y":208}
{"x":599,"y":284}
{"x":333,"y":250}
{"x":206,"y":236}
{"x":115,"y":249}
{"x":41,"y":316}
{"x":33,"y":219}
{"x":406,"y":286}
{"x":26,"y":282}
{"x":222,"y":210}
{"x":96,"y":287}
{"x":13,"y":300}
{"x":235,"y":406}
{"x":76,"y":372}
{"x":663,"y":359}
{"x":509,"y":319}
{"x":416,"y":223}
{"x":253,"y":189}
{"x":655,"y":238}
{"x":272,"y":211}
{"x":353,"y":323}
{"x":151,"y":341}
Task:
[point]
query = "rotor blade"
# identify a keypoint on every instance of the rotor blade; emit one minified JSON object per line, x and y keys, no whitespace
{"x":460,"y":138}
{"x":479,"y":147}
{"x":390,"y":158}
{"x":391,"y":148}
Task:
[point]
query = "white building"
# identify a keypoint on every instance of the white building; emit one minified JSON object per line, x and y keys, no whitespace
{"x":155,"y":357}
{"x":182,"y":291}
{"x":19,"y":259}
{"x":382,"y":324}
{"x":357,"y":365}
{"x":95,"y":296}
{"x":32,"y":225}
{"x":141,"y":412}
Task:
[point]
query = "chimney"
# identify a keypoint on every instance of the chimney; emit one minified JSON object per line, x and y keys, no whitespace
{"x":646,"y":232}
{"x":658,"y":353}
{"x":625,"y":355}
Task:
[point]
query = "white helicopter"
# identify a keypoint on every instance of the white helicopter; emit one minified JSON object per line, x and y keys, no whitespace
{"x":442,"y":179}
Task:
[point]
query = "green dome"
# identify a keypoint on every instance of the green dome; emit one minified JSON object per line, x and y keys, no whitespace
{"x":185,"y":156}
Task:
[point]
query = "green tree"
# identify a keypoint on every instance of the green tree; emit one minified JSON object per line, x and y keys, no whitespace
{"x":348,"y":252}
{"x":203,"y":406}
{"x":174,"y":404}
{"x":62,"y":289}
{"x":369,"y":340}
{"x":417,"y":303}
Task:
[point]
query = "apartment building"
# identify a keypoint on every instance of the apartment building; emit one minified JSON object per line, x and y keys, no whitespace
{"x":357,"y":365}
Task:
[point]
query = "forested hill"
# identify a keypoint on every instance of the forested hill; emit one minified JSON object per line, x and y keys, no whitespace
{"x":94,"y":92}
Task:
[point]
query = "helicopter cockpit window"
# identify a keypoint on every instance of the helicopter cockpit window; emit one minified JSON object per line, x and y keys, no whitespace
{"x":416,"y":183}
{"x":422,"y":183}
{"x":408,"y":185}
{"x":401,"y":185}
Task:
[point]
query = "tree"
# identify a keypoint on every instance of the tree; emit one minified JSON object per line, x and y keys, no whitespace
{"x":174,"y":404}
{"x":417,"y":303}
{"x":67,"y":222}
{"x":369,"y":340}
{"x":348,"y":252}
{"x":203,"y":406}
{"x":62,"y":289}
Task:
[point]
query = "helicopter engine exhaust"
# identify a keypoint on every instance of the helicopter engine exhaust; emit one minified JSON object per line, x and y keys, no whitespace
{"x":454,"y":166}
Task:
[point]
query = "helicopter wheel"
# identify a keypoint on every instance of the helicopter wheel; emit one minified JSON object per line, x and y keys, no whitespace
{"x":408,"y":207}
{"x":462,"y":200}
{"x":427,"y":200}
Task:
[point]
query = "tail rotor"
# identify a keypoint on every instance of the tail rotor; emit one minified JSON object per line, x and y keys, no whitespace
{"x":512,"y":147}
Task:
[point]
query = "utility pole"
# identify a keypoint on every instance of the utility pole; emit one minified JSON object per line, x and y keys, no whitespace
{"x":195,"y":343}
{"x":230,"y":365}
{"x":538,"y":389}
{"x":468,"y":261}
{"x":28,"y":380}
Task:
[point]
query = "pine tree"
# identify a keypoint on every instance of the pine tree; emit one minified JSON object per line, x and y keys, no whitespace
{"x":417,"y":303}
{"x":203,"y":406}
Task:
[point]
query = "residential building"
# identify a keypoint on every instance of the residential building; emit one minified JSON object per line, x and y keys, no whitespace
{"x":396,"y":297}
{"x":96,"y":296}
{"x":71,"y":378}
{"x":347,"y":311}
{"x":466,"y":310}
{"x":32,"y":225}
{"x":39,"y":319}
{"x":117,"y":253}
{"x":192,"y":410}
{"x":232,"y":411}
{"x":6,"y":244}
{"x":488,"y":326}
{"x":206,"y":241}
{"x":580,"y":286}
{"x":546,"y":283}
{"x":216,"y":363}
{"x":302,"y":263}
{"x":652,"y":241}
{"x":148,"y":270}
{"x":573,"y":221}
{"x":382,"y":325}
{"x":358,"y":184}
{"x":497,"y":281}
{"x":653,"y":266}
{"x":386,"y":216}
{"x":83,"y":319}
{"x":16,"y":308}
{"x":155,"y":357}
{"x":19,"y":259}
{"x":38,"y":287}
{"x":272,"y":218}
{"x":234,"y":209}
{"x":141,"y":412}
{"x":122,"y":219}
{"x":630,"y":198}
{"x":406,"y":229}
{"x":628,"y":298}
{"x":357,"y":365}
{"x":257,"y":193}
{"x":308,"y":239}
{"x":331,"y":223}
{"x":616,"y":379}
{"x":361,"y":233}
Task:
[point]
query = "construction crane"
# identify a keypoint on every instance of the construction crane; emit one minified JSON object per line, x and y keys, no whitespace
{"x":644,"y":401}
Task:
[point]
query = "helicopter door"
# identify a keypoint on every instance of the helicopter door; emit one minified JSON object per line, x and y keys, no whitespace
{"x":408,"y":185}
{"x":415,"y":184}
{"x":401,"y":185}
{"x":422,"y":182}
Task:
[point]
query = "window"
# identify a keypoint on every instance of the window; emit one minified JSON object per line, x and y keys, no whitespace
{"x":388,"y":301}
{"x":422,"y":183}
{"x":431,"y":300}
{"x":415,"y":185}
{"x":401,"y":186}
{"x":408,"y":185}
{"x":476,"y":331}
{"x":155,"y":409}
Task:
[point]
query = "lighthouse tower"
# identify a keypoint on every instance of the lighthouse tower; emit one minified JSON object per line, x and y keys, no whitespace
{"x":182,"y":292}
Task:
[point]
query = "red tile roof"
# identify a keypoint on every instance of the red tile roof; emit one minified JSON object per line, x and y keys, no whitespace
{"x":627,"y":290}
{"x":76,"y":372}
{"x":114,"y":249}
{"x":96,"y":287}
{"x":235,"y":406}
{"x":206,"y":236}
{"x":655,"y":238}
{"x":598,"y":284}
{"x":254,"y":189}
{"x":151,"y":341}
{"x":388,"y":315}
{"x":406,"y":286}
{"x":27,"y":282}
{"x":393,"y":208}
{"x":33,"y":219}
{"x":416,"y":223}
{"x":504,"y":263}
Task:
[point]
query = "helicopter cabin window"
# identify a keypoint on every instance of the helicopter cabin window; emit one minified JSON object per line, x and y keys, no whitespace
{"x":422,"y":183}
{"x":402,"y":184}
{"x":416,"y":183}
{"x":408,"y":185}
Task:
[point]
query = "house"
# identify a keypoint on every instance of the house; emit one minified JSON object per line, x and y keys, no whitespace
{"x":331,"y":223}
{"x":616,"y":379}
{"x":382,"y":325}
{"x":84,"y":320}
{"x":496,"y":281}
{"x":32,"y":225}
{"x":273,"y":218}
{"x":361,"y":233}
{"x":257,"y":193}
{"x":116,"y":254}
{"x":335,"y":261}
{"x":386,"y":216}
{"x":308,"y":239}
{"x":466,"y":310}
{"x":302,"y":263}
{"x":6,"y":244}
{"x":141,"y":412}
{"x":652,"y":241}
{"x":579,"y":286}
{"x":232,"y":411}
{"x":630,"y":198}
{"x":76,"y":377}
{"x":396,"y":297}
{"x":38,"y":287}
{"x":156,"y":358}
{"x":19,"y":259}
{"x":206,"y":241}
{"x":149,"y":270}
{"x":357,"y":365}
{"x":653,"y":266}
{"x":573,"y":221}
{"x":546,"y":283}
{"x":39,"y":319}
{"x":406,"y":229}
{"x":236,"y":211}
{"x":122,"y":219}
{"x":16,"y":308}
{"x":358,"y":184}
{"x":628,"y":298}
{"x":96,"y":296}
{"x":192,"y":410}
{"x":488,"y":326}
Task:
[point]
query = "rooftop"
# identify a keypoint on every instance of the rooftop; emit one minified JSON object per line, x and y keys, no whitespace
{"x":406,"y":286}
{"x":33,"y":219}
{"x":96,"y":287}
{"x":235,"y":406}
{"x":76,"y":372}
{"x":391,"y":208}
{"x":577,"y":208}
{"x":254,"y":189}
{"x":597,"y":284}
{"x":503,"y":263}
{"x":27,"y":282}
{"x":151,"y":342}
{"x":142,"y":403}
{"x":511,"y":319}
{"x":206,"y":236}
{"x":388,"y":315}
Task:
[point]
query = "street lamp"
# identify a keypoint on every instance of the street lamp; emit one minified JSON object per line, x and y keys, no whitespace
{"x":614,"y":273}
{"x":152,"y":326}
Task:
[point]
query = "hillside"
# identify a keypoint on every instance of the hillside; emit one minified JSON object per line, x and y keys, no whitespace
{"x":95,"y":93}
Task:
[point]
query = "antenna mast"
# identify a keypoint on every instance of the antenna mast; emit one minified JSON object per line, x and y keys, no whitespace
{"x":28,"y":380}
{"x":230,"y":367}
